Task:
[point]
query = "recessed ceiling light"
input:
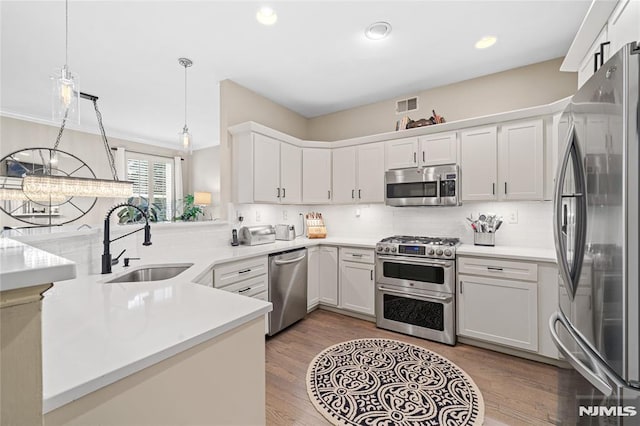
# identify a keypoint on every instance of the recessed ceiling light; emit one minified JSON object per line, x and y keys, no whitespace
{"x":266,"y":16}
{"x":485,"y":42}
{"x":378,"y":30}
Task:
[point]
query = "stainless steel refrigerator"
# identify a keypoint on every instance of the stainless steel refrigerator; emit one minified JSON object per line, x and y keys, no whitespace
{"x":596,"y":236}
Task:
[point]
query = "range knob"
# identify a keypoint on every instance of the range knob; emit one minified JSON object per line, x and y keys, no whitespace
{"x":447,"y":252}
{"x":386,"y":249}
{"x":431,"y":252}
{"x":380,"y":248}
{"x":439,"y":252}
{"x":393,"y":249}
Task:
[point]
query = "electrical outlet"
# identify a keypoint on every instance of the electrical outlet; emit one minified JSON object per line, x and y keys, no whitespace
{"x":285,"y":216}
{"x":357,"y":212}
{"x":258,"y":216}
{"x":512,"y":218}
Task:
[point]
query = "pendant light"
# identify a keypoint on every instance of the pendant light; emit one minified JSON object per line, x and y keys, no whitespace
{"x":66,"y":91}
{"x":185,"y":136}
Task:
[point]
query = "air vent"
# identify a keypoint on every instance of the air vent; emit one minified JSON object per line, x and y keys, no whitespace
{"x":406,"y":105}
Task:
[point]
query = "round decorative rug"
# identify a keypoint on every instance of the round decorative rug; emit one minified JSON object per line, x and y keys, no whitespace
{"x":387,"y":382}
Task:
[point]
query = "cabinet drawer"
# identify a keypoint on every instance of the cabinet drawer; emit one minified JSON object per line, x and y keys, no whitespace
{"x":357,"y":255}
{"x":498,"y":268}
{"x":250,"y":287}
{"x":234,"y":272}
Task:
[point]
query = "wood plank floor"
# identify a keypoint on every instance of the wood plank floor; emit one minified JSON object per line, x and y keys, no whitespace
{"x":515,"y":391}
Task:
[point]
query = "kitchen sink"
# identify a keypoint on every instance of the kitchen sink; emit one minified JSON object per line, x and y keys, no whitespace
{"x":151,"y":273}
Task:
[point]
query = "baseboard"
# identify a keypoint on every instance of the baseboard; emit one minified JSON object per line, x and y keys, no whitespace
{"x":348,"y":313}
{"x":514,"y":352}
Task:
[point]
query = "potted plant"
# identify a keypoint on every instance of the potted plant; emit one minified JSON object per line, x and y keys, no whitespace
{"x":131,"y":215}
{"x":189,"y":211}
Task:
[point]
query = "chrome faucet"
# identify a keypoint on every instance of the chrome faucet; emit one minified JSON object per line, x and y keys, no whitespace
{"x":106,"y":255}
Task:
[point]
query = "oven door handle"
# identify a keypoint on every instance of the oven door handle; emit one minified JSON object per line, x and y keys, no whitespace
{"x":444,"y":299}
{"x":413,"y":261}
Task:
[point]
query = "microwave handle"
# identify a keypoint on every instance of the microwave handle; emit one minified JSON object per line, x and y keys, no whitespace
{"x":438,"y":193}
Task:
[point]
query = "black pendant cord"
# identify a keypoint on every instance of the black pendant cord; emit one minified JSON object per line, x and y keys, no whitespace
{"x":103,"y":134}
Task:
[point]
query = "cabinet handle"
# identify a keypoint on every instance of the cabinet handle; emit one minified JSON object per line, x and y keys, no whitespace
{"x":360,"y":193}
{"x":505,"y":188}
{"x":602,"y":45}
{"x":244,"y":290}
{"x":423,"y":160}
{"x":245,"y":271}
{"x":595,"y":61}
{"x":493,"y":190}
{"x":328,"y":194}
{"x":284,"y":192}
{"x":353,"y":191}
{"x":371,"y":274}
{"x":278,"y":192}
{"x":460,"y":287}
{"x":415,"y":159}
{"x":494,"y":268}
{"x":356,"y":254}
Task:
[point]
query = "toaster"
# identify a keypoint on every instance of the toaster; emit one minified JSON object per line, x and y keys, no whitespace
{"x":285,"y":232}
{"x":254,"y":235}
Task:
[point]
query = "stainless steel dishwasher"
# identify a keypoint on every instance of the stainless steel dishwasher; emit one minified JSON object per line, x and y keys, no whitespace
{"x":287,"y":288}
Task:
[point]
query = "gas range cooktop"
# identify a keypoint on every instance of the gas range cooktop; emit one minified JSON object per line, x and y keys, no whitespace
{"x":407,"y":245}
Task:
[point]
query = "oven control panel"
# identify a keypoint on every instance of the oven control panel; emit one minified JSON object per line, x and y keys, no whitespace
{"x":436,"y":252}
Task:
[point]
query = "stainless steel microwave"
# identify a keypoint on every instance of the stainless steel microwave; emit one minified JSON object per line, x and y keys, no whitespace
{"x":423,"y":186}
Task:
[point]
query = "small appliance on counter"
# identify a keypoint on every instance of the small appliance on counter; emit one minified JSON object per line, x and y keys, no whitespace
{"x":285,"y":232}
{"x":484,"y":229}
{"x":254,"y":235}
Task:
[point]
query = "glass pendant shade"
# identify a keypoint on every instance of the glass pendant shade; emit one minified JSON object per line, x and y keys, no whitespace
{"x":65,"y":95}
{"x":19,"y":195}
{"x":185,"y":139}
{"x":45,"y":186}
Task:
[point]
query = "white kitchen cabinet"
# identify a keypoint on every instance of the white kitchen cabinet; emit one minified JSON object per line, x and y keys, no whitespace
{"x":344,"y":175}
{"x":479,"y":163}
{"x":371,"y":173}
{"x":357,"y":285}
{"x":313,"y":277}
{"x":623,"y":25}
{"x":437,"y":149}
{"x":290,"y":174}
{"x":589,"y":63}
{"x":316,"y":176}
{"x":428,"y":150}
{"x":358,"y":174}
{"x":507,"y":302}
{"x":266,"y":170}
{"x":521,"y":161}
{"x":328,"y":275}
{"x":402,"y":153}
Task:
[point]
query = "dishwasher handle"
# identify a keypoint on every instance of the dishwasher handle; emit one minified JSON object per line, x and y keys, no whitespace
{"x":286,"y":262}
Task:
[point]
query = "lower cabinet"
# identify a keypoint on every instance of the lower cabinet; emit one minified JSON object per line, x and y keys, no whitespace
{"x":322,"y":276}
{"x":500,"y":311}
{"x":357,"y":280}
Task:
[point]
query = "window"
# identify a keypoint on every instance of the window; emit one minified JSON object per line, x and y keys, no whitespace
{"x":152,"y":179}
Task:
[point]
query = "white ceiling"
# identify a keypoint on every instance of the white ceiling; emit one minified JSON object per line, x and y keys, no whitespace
{"x":314,"y":60}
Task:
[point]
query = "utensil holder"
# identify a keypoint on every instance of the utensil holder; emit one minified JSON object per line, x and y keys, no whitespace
{"x":484,"y":238}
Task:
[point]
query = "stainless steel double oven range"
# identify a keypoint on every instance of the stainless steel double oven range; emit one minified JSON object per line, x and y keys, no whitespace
{"x":415,"y":286}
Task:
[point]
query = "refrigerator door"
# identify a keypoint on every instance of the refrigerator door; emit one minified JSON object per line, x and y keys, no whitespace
{"x":596,"y":218}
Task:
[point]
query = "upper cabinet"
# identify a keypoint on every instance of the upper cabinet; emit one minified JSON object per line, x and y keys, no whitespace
{"x":429,"y":150}
{"x":266,"y":170}
{"x":607,"y":27}
{"x":479,"y":163}
{"x":520,"y":161}
{"x":316,"y":176}
{"x":506,"y":168}
{"x":358,"y":174}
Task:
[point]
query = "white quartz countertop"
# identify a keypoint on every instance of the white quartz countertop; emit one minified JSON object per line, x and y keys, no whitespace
{"x":24,"y":266}
{"x":506,"y":252}
{"x":95,"y":333}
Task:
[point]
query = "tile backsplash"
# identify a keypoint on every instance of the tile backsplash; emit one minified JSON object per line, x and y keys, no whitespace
{"x":533,"y":227}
